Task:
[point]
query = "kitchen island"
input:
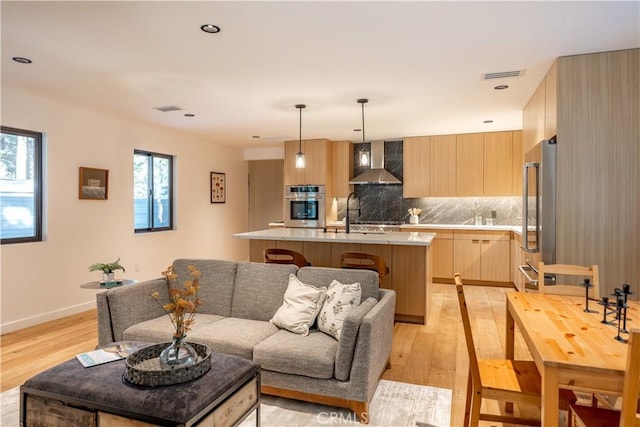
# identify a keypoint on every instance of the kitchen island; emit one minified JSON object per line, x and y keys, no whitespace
{"x":407,"y":254}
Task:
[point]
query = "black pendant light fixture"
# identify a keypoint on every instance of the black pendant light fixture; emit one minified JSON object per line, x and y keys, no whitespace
{"x":300,"y":162}
{"x":363,"y":155}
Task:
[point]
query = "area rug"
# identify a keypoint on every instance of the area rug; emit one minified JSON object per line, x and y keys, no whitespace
{"x":394,"y":404}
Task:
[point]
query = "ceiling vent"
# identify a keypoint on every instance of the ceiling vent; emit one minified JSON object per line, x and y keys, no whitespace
{"x":502,"y":74}
{"x":167,"y":108}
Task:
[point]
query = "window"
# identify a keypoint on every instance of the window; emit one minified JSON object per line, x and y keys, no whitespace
{"x":20,"y":186}
{"x":152,"y":191}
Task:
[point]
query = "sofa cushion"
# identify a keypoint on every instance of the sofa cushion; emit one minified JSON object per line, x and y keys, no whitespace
{"x":300,"y":306}
{"x":348,"y":338}
{"x":216,"y":283}
{"x":259,"y":289}
{"x":233,"y":336}
{"x":312,"y":355}
{"x":161,"y":329}
{"x":322,"y":276}
{"x":340,"y":300}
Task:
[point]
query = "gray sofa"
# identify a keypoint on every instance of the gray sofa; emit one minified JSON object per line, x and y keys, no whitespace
{"x":239,"y":299}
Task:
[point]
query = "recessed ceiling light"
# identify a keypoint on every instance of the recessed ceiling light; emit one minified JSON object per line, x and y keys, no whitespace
{"x":501,"y":87}
{"x":210,"y":28}
{"x":488,"y":121}
{"x":189,"y":115}
{"x":21,"y":60}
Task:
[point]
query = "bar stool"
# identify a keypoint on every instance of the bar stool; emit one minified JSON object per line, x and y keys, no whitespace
{"x":365,"y":261}
{"x":285,"y":256}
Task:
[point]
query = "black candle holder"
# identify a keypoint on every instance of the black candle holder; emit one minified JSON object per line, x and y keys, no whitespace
{"x":626,"y":290}
{"x":587,"y":284}
{"x":607,"y":311}
{"x":620,"y":304}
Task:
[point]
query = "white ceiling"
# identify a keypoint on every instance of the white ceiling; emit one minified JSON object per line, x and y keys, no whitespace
{"x":419,"y":63}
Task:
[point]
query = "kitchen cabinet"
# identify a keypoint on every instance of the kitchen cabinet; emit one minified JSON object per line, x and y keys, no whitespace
{"x":409,"y":268}
{"x":441,"y":251}
{"x":442,"y":165}
{"x":591,"y":102}
{"x":477,"y":164}
{"x":498,"y":164}
{"x":318,"y":163}
{"x":469,"y":164}
{"x":415,"y":159}
{"x":341,"y":168}
{"x":482,"y":255}
{"x":518,"y":162}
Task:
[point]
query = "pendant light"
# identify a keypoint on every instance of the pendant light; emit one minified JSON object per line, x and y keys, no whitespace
{"x":363,"y":155}
{"x":300,"y":162}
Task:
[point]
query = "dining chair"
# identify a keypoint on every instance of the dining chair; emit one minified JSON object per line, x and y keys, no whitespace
{"x":363,"y":260}
{"x":516,"y":381}
{"x":285,"y":256}
{"x":628,"y":416}
{"x":589,"y":272}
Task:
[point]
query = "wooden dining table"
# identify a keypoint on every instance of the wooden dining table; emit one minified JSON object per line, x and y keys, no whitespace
{"x":571,"y":348}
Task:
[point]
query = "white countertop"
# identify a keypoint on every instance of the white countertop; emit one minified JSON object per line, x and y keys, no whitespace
{"x":316,"y":235}
{"x":515,"y":228}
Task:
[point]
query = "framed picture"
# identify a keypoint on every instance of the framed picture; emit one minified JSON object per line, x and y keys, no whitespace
{"x":218,"y":187}
{"x":94,"y":184}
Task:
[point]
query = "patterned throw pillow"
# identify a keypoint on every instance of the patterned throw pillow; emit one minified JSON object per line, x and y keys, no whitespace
{"x":300,"y":307}
{"x":339,"y":301}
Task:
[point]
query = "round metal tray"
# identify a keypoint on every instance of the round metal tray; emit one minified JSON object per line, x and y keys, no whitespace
{"x":143,"y":367}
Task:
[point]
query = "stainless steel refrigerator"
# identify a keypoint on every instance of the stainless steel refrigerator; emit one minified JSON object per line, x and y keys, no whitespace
{"x":539,"y":207}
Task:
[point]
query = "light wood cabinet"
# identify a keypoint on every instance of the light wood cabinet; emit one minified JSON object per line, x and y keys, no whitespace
{"x":441,"y":251}
{"x":341,"y":168}
{"x":533,"y":117}
{"x":482,"y":255}
{"x":551,"y":101}
{"x":518,"y":162}
{"x":409,"y":269}
{"x":498,"y":164}
{"x":469,"y":164}
{"x":411,"y":281}
{"x":318,"y":163}
{"x":415,"y":164}
{"x":442,"y":165}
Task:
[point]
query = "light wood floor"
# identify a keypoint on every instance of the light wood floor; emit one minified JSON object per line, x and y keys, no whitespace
{"x":433,"y":355}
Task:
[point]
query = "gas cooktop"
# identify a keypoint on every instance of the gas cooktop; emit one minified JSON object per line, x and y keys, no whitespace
{"x":396,"y":223}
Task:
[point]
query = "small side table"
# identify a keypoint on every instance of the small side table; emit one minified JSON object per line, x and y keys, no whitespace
{"x":108,"y":285}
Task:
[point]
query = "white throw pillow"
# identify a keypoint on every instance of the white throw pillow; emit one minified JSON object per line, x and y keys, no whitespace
{"x":300,"y":307}
{"x":339,"y":301}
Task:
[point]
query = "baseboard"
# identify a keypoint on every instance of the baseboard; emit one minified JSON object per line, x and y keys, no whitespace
{"x":45,"y":317}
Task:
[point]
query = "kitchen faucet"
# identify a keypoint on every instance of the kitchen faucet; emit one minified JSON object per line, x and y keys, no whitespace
{"x":347,"y":219}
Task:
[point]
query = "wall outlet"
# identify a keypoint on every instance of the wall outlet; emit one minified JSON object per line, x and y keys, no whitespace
{"x":136,"y":266}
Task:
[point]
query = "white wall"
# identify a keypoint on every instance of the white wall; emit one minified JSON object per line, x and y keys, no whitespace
{"x":41,"y":281}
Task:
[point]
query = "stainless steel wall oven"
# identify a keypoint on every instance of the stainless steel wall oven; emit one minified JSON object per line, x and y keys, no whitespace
{"x":304,"y":206}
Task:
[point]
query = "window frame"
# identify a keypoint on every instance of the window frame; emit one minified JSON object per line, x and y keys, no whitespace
{"x":38,"y":179}
{"x":152,"y":155}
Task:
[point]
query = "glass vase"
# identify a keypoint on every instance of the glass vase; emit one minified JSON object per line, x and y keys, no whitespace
{"x":178,"y":354}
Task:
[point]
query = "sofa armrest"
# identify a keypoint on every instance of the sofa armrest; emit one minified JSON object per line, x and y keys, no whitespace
{"x":373,"y":346}
{"x":120,"y":308}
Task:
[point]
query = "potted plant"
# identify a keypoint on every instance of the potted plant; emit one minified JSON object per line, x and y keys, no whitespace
{"x":107,"y":269}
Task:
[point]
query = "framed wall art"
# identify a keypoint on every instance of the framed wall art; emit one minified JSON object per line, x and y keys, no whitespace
{"x":94,"y":184}
{"x":218,"y":187}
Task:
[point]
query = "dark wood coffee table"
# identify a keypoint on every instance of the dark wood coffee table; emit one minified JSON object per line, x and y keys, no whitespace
{"x":70,"y":395}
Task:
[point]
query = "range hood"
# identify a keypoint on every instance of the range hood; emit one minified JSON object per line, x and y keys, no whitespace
{"x":377,"y":174}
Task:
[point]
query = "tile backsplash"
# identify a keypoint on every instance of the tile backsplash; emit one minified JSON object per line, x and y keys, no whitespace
{"x":380,"y":202}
